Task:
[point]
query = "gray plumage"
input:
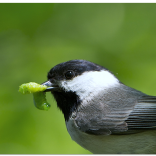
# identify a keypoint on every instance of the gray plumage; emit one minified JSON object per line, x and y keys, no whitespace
{"x":125,"y":111}
{"x":109,"y":115}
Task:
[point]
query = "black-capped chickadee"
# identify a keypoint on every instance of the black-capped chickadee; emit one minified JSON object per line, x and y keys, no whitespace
{"x":102,"y":114}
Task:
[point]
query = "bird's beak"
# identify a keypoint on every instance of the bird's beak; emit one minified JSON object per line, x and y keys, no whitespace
{"x":51,"y":86}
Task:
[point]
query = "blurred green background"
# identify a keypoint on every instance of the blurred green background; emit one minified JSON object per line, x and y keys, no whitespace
{"x":36,"y":37}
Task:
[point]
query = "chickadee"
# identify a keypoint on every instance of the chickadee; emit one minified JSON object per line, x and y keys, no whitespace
{"x":102,"y":114}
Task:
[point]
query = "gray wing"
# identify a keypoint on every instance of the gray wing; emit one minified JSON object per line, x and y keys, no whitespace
{"x":129,"y":111}
{"x":143,"y":116}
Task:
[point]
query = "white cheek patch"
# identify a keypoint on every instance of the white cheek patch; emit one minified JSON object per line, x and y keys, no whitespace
{"x":91,"y":82}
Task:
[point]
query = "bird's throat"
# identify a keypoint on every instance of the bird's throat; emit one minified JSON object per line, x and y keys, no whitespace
{"x":67,"y":102}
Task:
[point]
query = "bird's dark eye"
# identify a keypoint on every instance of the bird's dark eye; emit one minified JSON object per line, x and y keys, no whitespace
{"x":69,"y":74}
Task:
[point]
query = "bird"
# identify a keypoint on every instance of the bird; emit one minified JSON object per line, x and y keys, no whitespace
{"x":102,"y":114}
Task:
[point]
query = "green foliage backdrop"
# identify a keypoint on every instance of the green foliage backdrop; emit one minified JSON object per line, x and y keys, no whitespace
{"x":36,"y":37}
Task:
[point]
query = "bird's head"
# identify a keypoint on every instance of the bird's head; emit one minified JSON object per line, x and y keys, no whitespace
{"x":73,"y":81}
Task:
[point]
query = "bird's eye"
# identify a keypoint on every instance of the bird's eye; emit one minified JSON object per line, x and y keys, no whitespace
{"x":69,"y":74}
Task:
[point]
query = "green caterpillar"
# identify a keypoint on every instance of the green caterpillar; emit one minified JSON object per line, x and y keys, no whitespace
{"x":39,"y":97}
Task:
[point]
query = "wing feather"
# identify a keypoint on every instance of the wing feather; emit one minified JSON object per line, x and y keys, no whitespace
{"x":144,"y":114}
